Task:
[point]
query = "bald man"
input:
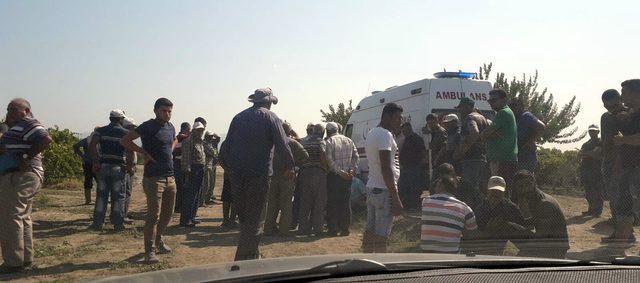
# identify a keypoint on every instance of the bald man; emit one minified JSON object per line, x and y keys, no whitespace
{"x":19,"y":183}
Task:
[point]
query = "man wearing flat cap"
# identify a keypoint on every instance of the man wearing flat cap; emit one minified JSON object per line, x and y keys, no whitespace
{"x":247,"y":155}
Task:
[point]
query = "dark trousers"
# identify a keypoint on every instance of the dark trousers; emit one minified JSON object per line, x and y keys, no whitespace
{"x":190,"y":193}
{"x":593,"y":191}
{"x":338,"y":203}
{"x":410,"y":185}
{"x":295,"y":208}
{"x":249,"y":198}
{"x":89,"y":176}
{"x":177,"y":174}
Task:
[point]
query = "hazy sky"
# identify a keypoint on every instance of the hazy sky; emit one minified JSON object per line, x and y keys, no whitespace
{"x":76,"y":60}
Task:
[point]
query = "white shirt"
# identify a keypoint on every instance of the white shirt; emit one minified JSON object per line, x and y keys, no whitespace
{"x":380,"y":139}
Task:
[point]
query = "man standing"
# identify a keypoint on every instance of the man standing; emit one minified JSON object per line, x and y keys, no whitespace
{"x":629,"y":142}
{"x":436,"y":140}
{"x":413,"y":178}
{"x":502,"y":140}
{"x":211,"y":141}
{"x":444,"y":219}
{"x":383,"y":201}
{"x":610,"y":157}
{"x":590,"y":172}
{"x":471,"y":153}
{"x":158,"y":141}
{"x":342,"y":158}
{"x":450,"y":122}
{"x":313,"y":183}
{"x":81,"y":149}
{"x":530,"y":129}
{"x":111,"y":165}
{"x":192,"y":166}
{"x":246,"y":154}
{"x":185,"y":131}
{"x":281,"y":189}
{"x":297,"y":194}
{"x":23,"y":144}
{"x":543,"y":213}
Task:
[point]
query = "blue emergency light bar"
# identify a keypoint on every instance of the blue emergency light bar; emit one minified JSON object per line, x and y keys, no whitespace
{"x":460,"y":75}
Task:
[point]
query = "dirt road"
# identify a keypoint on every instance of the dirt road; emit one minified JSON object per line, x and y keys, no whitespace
{"x":67,"y":251}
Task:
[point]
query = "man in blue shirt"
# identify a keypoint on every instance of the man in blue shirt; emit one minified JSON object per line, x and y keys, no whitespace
{"x":246,"y":154}
{"x":530,"y":129}
{"x":158,"y":141}
{"x":110,"y":169}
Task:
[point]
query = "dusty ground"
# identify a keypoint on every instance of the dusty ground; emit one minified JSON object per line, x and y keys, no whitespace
{"x":67,"y":251}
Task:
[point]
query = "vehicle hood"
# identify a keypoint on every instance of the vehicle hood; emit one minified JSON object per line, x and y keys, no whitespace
{"x":241,"y":269}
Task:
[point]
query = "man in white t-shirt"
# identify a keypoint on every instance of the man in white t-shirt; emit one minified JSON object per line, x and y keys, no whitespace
{"x":383,"y":201}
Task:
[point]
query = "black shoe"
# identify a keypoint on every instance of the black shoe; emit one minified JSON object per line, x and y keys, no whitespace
{"x":27,"y":264}
{"x":162,"y":247}
{"x":188,"y":225}
{"x":8,"y":269}
{"x":332,"y":234}
{"x":119,"y":228}
{"x":344,"y":233}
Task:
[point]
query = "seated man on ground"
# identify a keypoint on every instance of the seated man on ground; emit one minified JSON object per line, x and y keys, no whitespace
{"x":444,"y":219}
{"x":499,"y":220}
{"x":543,"y":212}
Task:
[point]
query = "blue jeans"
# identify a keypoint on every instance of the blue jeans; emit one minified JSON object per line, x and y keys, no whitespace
{"x":190,"y":194}
{"x":379,"y":216}
{"x":473,"y":171}
{"x":111,"y":181}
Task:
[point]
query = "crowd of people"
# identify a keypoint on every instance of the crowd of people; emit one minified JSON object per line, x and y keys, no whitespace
{"x":479,"y":173}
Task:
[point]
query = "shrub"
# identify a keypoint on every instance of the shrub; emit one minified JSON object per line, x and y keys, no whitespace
{"x":60,"y":163}
{"x":558,"y":168}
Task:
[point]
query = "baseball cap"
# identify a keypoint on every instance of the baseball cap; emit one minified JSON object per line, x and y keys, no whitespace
{"x":116,"y":113}
{"x":198,"y":125}
{"x":497,"y":183}
{"x":594,"y":128}
{"x":450,"y":118}
{"x":466,"y":101}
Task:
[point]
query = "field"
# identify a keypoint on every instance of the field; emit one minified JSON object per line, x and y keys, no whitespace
{"x":67,"y":251}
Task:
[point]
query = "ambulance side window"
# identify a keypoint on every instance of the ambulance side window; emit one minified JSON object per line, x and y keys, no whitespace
{"x":348,"y":131}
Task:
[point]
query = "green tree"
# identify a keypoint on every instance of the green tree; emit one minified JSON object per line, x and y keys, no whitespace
{"x":339,"y":115}
{"x":560,"y":120}
{"x":60,"y":163}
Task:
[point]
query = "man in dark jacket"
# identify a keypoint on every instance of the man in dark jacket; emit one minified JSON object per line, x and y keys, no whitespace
{"x":590,"y":172}
{"x":413,"y":179}
{"x":543,"y":213}
{"x":246,"y":153}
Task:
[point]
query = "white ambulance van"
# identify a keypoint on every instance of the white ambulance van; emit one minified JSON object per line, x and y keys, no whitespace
{"x":439,"y":95}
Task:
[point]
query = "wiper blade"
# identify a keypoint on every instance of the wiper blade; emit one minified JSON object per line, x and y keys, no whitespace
{"x":627,"y":260}
{"x":338,"y":268}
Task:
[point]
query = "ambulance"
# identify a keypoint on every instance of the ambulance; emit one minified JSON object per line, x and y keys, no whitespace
{"x":439,"y":95}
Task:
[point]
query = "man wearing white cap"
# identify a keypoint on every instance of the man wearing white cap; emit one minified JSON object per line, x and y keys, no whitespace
{"x":193,"y":162}
{"x":499,"y":220}
{"x":590,"y":172}
{"x":111,"y":167}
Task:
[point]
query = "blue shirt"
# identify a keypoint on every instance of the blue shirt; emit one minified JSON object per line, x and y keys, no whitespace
{"x":252,"y":135}
{"x":526,"y":125}
{"x":109,"y":137}
{"x":84,"y":145}
{"x":157,"y":140}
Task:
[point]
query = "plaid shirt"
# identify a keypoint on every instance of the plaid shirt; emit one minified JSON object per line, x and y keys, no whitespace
{"x":342,"y":154}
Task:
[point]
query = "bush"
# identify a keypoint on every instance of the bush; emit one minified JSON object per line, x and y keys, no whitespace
{"x":60,"y":162}
{"x":558,"y":168}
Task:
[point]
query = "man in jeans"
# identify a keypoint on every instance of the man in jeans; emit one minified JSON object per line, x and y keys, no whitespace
{"x":383,"y":201}
{"x":158,"y":141}
{"x":471,"y":153}
{"x":342,"y":160}
{"x":81,"y":148}
{"x":20,"y":180}
{"x":628,"y":141}
{"x":110,"y":169}
{"x":246,"y":155}
{"x":502,"y":139}
{"x":193,"y":162}
{"x":281,"y":189}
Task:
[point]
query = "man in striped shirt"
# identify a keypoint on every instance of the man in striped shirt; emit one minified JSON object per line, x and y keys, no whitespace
{"x":444,"y":219}
{"x":20,"y":180}
{"x":313,"y":183}
{"x":111,"y":168}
